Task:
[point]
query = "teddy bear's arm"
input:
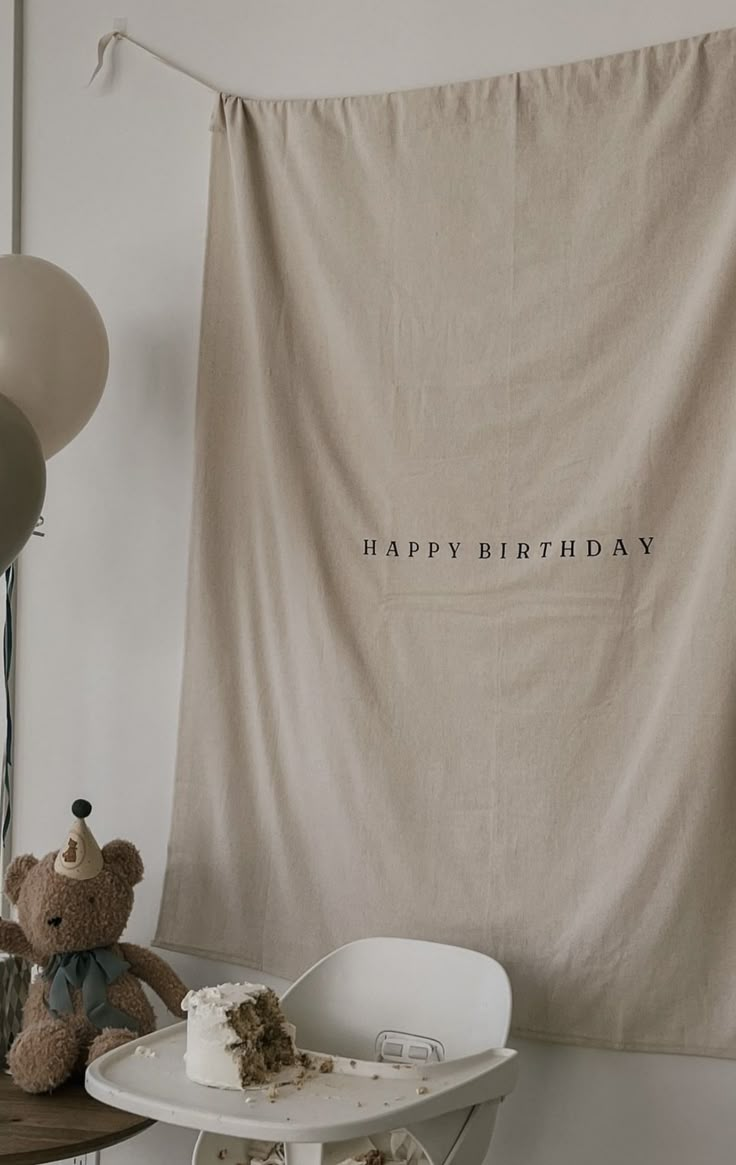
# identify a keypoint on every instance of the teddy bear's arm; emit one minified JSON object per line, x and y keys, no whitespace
{"x":13,"y":940}
{"x":157,"y":974}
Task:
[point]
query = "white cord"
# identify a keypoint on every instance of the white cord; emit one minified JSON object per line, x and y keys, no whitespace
{"x":110,"y":37}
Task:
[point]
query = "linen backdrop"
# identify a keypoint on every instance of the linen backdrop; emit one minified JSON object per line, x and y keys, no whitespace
{"x":460,"y":655}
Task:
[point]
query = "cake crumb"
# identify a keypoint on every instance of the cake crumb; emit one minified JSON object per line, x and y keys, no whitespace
{"x":372,"y":1157}
{"x":353,"y":1064}
{"x":327,"y":1065}
{"x":273,"y":1092}
{"x":422,"y":1091}
{"x":222,"y":1154}
{"x":374,"y":1076}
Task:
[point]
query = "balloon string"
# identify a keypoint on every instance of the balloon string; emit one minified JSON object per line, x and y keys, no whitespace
{"x":7,"y":668}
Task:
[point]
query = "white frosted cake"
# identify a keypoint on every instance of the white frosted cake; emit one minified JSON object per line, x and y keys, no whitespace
{"x":237,"y":1036}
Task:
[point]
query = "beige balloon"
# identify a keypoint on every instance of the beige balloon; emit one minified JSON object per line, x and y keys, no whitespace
{"x":22,"y":481}
{"x":53,"y":348}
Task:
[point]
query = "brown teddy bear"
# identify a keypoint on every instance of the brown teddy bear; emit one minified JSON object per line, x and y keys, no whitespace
{"x":73,"y":907}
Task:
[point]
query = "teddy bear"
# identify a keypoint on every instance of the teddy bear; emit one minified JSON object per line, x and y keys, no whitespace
{"x":73,"y":906}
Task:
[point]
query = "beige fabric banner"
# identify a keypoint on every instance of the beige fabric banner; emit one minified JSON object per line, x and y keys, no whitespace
{"x":460,"y":657}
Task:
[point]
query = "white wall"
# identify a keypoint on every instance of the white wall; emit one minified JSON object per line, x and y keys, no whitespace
{"x":115,"y":189}
{"x":6,"y":124}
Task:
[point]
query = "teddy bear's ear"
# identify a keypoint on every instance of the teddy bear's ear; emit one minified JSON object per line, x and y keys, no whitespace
{"x":124,"y":858}
{"x":16,"y":875}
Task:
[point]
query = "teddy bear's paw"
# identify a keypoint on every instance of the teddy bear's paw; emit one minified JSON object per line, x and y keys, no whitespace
{"x":109,"y":1038}
{"x":44,"y":1055}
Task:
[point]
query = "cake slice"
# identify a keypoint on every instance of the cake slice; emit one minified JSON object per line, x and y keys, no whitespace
{"x":237,"y":1036}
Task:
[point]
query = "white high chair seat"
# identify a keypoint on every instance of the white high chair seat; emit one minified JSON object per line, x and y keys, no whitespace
{"x":404,"y":1000}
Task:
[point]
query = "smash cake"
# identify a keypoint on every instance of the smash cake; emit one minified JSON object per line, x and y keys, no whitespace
{"x":237,"y":1036}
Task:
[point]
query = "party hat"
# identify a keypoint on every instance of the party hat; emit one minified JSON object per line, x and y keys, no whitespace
{"x":80,"y":857}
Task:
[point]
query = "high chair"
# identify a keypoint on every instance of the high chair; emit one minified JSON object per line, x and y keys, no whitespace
{"x":443,"y":1011}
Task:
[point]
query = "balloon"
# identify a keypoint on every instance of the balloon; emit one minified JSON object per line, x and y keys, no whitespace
{"x":22,"y":481}
{"x":53,"y":348}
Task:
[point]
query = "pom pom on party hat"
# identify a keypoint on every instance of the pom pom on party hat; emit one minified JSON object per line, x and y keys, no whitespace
{"x":80,"y":857}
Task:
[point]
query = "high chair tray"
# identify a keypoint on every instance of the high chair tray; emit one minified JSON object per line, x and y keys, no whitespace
{"x":356,"y":1098}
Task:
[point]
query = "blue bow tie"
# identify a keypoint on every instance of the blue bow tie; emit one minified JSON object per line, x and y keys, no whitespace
{"x":92,"y":971}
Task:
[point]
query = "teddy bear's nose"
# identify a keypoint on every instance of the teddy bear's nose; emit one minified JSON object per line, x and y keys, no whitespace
{"x":56,"y":921}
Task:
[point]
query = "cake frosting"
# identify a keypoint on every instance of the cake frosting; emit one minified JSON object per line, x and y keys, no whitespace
{"x":237,"y":1035}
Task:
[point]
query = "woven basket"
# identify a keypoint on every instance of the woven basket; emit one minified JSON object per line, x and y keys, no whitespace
{"x":15,"y":978}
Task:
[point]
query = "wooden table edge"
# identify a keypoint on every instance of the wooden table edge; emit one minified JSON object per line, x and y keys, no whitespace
{"x":67,"y":1152}
{"x":30,"y":1124}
